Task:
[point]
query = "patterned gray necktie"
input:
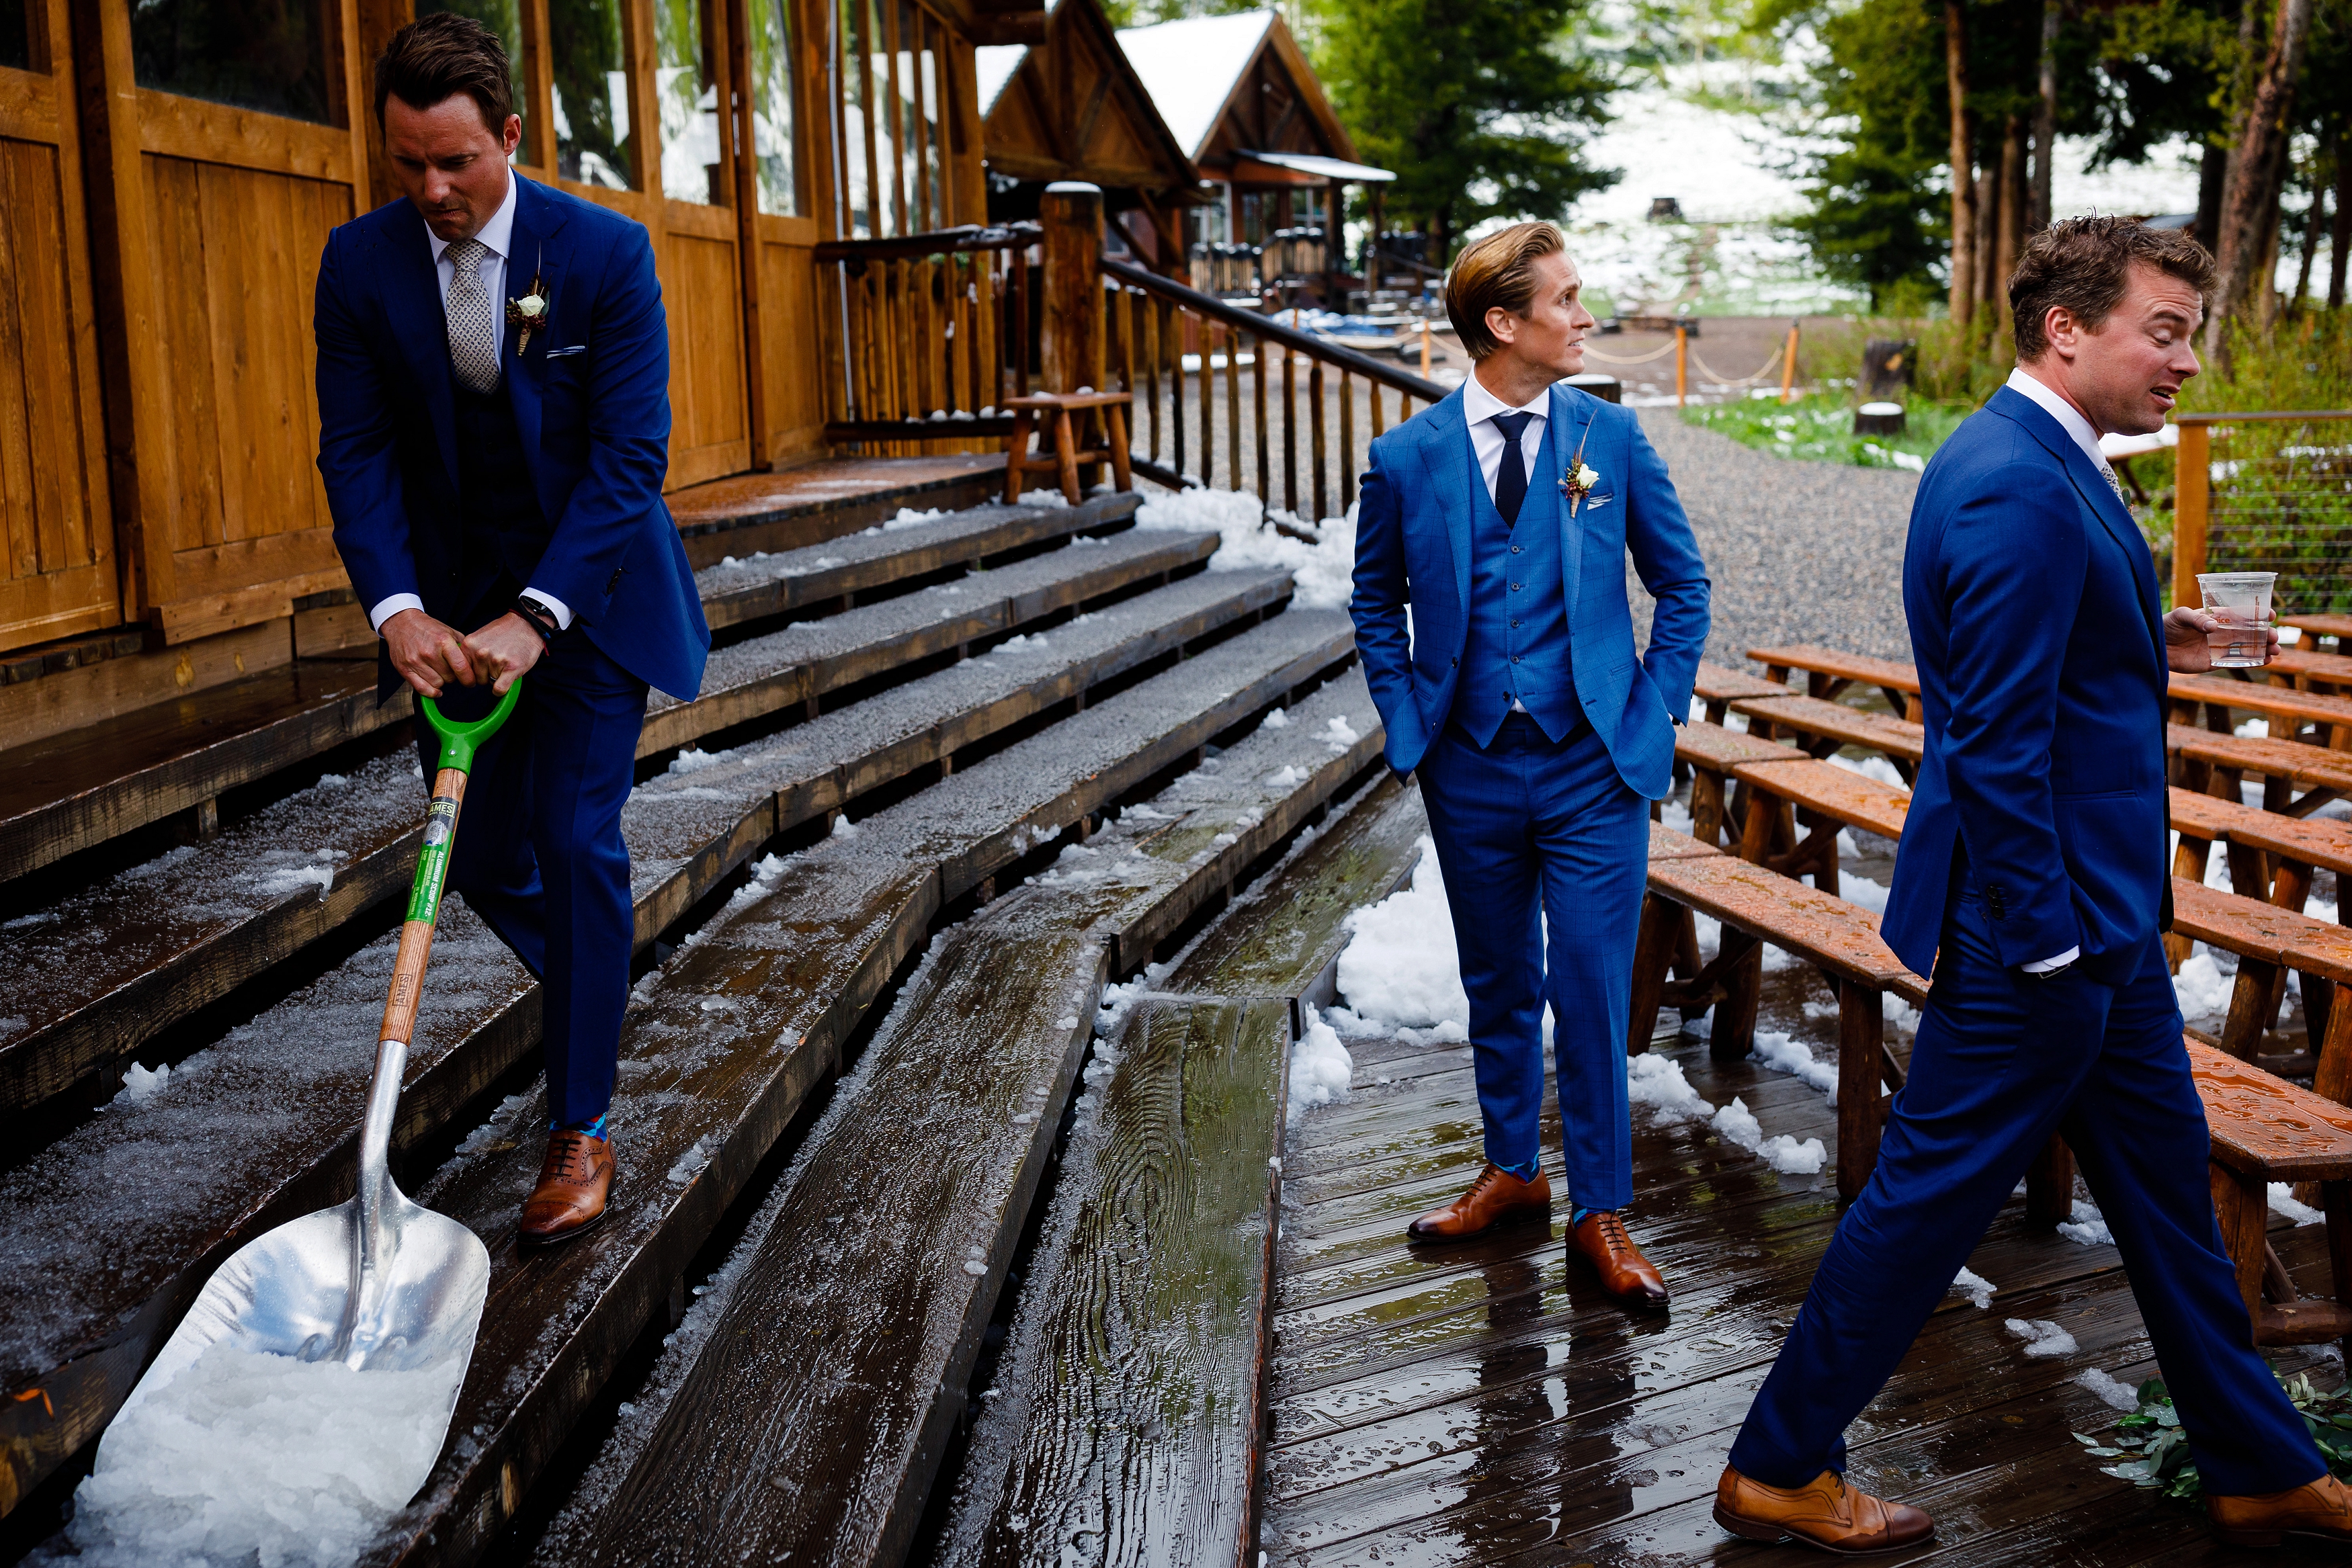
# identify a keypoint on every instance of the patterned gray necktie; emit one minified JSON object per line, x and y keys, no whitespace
{"x":473,"y":324}
{"x":2114,"y":484}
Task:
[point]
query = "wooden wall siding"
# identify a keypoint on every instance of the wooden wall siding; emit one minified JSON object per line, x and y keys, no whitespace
{"x":59,"y":576}
{"x":709,"y":421}
{"x":236,"y":256}
{"x":788,"y":341}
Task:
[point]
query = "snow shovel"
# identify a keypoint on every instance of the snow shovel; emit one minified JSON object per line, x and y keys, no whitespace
{"x":377,"y":1283}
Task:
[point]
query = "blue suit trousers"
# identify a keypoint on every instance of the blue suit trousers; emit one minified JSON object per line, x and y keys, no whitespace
{"x":2004,"y":1060}
{"x":1531,"y":830}
{"x":540,"y":858}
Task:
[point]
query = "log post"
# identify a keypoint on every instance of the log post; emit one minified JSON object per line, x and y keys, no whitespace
{"x":1072,"y":213}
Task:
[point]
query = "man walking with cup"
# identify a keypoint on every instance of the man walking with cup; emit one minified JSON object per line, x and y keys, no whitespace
{"x":2032,"y":876}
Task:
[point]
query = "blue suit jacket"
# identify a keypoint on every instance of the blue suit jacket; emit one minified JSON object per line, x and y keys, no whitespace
{"x":1412,"y":546}
{"x":591,"y":405}
{"x":2040,"y":642}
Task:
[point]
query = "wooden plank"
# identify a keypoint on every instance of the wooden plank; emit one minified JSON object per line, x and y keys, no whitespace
{"x":2311,"y":767}
{"x":1719,"y":683}
{"x":2261,"y":697}
{"x":1823,"y":929}
{"x":1719,"y":751}
{"x":117,"y":964}
{"x":97,"y":1331}
{"x":1666,"y":844}
{"x":1828,"y":726}
{"x":1840,"y":666}
{"x":1839,"y":793}
{"x":2265,"y":1126}
{"x":857,"y":1450}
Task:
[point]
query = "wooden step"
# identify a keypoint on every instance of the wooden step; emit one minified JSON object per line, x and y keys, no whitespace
{"x":102,"y":971}
{"x":1152,"y":1285}
{"x":74,"y":790}
{"x":851,"y":1316}
{"x":84,"y":1302}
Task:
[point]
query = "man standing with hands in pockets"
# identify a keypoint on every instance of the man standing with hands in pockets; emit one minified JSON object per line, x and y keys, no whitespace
{"x":493,"y":431}
{"x":1502,"y":517}
{"x":2033,"y":876}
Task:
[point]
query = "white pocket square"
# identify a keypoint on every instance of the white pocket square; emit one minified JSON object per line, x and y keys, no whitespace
{"x":575,"y":348}
{"x":1595,"y":503}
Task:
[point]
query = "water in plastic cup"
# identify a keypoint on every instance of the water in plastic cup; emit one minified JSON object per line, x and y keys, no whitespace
{"x":2241,"y":601}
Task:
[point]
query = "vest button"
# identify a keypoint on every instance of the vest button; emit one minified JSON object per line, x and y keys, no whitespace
{"x":1515,"y":625}
{"x":1514,"y":588}
{"x":1515,"y":549}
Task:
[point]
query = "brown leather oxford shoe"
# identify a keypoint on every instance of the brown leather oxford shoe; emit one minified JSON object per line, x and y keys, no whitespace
{"x":1624,"y":1274}
{"x":1496,"y":1196}
{"x":2321,"y":1510}
{"x":573,"y":1185}
{"x":1824,"y":1512}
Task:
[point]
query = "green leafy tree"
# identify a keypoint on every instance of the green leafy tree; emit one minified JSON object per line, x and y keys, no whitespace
{"x":1480,"y":106}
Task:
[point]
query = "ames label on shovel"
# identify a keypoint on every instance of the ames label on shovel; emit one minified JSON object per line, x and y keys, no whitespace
{"x":432,"y":861}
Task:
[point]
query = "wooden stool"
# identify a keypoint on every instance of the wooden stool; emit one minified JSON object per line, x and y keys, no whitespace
{"x":1066,"y":457}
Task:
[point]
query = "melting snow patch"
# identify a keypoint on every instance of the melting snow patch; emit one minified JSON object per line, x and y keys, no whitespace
{"x":1286,"y":777}
{"x":693,"y":759}
{"x":258,"y":1458}
{"x":1324,"y":572}
{"x":1320,"y":1068}
{"x":1782,"y":1152}
{"x":1873,"y":768}
{"x":2115,"y":1393}
{"x":843,"y":827}
{"x":1975,"y":1287}
{"x":1783,"y":1054}
{"x":1400,"y":965}
{"x":2042,"y":1337}
{"x":690,"y":1164}
{"x":139,"y":1085}
{"x":1861,"y":890}
{"x":1658,"y":1082}
{"x":1277,"y":719}
{"x":2088,"y":1227}
{"x":1022,"y":642}
{"x":2283,"y":1202}
{"x":1340,"y":735}
{"x":2201,"y":988}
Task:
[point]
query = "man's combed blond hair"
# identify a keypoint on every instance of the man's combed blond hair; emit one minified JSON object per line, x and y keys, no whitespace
{"x":1499,"y":270}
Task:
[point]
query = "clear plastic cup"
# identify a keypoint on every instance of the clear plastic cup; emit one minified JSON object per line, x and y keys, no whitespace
{"x":2241,"y":602}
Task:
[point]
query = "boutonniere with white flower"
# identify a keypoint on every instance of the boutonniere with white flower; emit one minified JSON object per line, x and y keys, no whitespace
{"x":529,"y":313}
{"x":1579,"y":483}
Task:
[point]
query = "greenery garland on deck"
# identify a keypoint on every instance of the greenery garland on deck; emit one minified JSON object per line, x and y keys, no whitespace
{"x":2153,"y":1451}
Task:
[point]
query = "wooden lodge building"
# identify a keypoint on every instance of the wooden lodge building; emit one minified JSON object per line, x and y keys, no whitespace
{"x":168,"y":171}
{"x":1249,"y":111}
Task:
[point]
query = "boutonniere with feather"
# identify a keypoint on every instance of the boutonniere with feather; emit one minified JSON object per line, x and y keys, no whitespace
{"x":1578,"y":482}
{"x":529,"y":313}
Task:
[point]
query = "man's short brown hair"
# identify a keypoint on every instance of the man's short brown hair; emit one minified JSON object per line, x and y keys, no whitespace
{"x":1497,"y":270}
{"x":437,"y":56}
{"x":2085,"y":265}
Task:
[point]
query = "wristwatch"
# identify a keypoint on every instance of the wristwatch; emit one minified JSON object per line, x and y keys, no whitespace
{"x":541,"y":619}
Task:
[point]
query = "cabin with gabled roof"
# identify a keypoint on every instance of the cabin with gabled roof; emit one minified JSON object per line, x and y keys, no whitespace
{"x":1250,"y":112}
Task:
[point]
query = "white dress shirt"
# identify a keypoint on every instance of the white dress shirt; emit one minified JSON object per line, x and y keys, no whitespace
{"x":2079,"y":431}
{"x":497,"y":237}
{"x":1479,"y":408}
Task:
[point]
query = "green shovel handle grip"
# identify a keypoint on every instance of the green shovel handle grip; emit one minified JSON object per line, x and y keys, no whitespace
{"x":459,"y":740}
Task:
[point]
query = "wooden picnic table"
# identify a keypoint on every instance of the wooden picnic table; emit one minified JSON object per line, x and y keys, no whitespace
{"x":1718,"y":686}
{"x":2337,"y":626}
{"x":1830,"y":671}
{"x":2304,"y":668}
{"x":1711,"y":752}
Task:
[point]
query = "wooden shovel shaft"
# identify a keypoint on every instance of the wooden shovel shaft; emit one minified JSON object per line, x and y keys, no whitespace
{"x":424,"y":907}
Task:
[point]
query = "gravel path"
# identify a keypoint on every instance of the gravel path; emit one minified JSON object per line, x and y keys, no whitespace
{"x":1799,"y":552}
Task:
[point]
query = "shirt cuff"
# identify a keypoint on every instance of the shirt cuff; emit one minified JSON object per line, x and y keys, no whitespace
{"x":389,"y":607}
{"x":562,"y":610}
{"x":2059,"y":961}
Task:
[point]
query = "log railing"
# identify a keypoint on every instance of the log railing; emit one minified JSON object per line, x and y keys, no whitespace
{"x":926,"y":336}
{"x":1183,"y":353}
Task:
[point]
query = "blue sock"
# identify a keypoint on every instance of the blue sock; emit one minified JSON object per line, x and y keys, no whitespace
{"x":594,"y":1129}
{"x":1524,"y":1172}
{"x":1576,"y":1215}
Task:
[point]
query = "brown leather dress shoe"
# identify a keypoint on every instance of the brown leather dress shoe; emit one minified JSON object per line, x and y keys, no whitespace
{"x":1825,"y":1512}
{"x":574,"y":1184}
{"x":1497,"y":1194}
{"x":1624,"y":1274}
{"x":2321,"y":1510}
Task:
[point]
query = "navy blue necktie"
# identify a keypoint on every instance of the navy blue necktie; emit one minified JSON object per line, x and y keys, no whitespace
{"x":1511,"y":478}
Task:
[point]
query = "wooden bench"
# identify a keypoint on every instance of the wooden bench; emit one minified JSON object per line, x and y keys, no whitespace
{"x":1034,"y":411}
{"x":1711,"y":752}
{"x":1756,"y":905}
{"x":1820,"y":797}
{"x":2330,"y":718}
{"x":1823,"y":728}
{"x":2269,"y":940}
{"x":2203,"y":759}
{"x":2266,"y":1130}
{"x":2339,"y":627}
{"x":2301,"y":667}
{"x":1830,"y":671}
{"x":1718,"y":686}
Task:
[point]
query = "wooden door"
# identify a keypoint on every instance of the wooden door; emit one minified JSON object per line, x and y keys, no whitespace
{"x":59,"y":577}
{"x":212,"y":216}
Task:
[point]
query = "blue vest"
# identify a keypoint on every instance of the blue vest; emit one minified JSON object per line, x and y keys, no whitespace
{"x":505,"y":530}
{"x":1517,"y":644}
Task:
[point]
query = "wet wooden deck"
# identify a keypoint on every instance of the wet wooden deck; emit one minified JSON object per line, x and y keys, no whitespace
{"x":1482,"y":1404}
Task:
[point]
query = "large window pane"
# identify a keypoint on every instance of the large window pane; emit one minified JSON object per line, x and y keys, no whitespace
{"x":592,"y":93}
{"x":15,"y":37}
{"x":269,"y":55}
{"x":859,"y":89}
{"x":503,"y":17}
{"x":685,"y":85}
{"x":773,"y":107}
